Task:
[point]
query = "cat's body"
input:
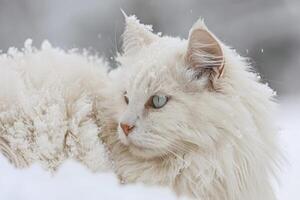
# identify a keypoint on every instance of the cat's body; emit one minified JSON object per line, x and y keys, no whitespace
{"x":188,"y":114}
{"x":48,"y":107}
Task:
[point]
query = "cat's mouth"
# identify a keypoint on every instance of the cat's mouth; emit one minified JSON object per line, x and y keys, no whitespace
{"x":139,"y":148}
{"x":132,"y":144}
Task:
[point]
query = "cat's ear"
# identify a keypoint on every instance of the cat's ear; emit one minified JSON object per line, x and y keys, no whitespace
{"x":204,"y":53}
{"x":136,"y":35}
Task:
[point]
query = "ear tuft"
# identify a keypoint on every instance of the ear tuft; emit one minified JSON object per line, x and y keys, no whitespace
{"x":136,"y":35}
{"x":204,"y":54}
{"x":200,"y":24}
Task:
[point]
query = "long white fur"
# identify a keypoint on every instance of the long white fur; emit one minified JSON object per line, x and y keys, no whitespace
{"x":217,"y":145}
{"x":48,"y":107}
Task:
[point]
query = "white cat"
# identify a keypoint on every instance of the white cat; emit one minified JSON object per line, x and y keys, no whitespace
{"x":192,"y":115}
{"x":189,"y":114}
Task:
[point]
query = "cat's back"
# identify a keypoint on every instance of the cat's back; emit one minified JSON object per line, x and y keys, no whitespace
{"x":47,"y":105}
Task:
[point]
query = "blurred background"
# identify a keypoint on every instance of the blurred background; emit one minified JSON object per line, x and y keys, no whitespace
{"x":266,"y":31}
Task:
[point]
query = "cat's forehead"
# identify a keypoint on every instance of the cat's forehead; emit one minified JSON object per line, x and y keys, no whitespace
{"x":148,"y":79}
{"x":152,"y":66}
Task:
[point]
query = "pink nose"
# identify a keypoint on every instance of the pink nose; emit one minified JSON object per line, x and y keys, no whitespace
{"x":126,"y":128}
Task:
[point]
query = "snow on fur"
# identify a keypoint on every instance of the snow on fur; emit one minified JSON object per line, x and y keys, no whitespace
{"x":48,"y":106}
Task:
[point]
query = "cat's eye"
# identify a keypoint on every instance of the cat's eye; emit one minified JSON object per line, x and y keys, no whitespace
{"x":158,"y":101}
{"x":126,"y":98}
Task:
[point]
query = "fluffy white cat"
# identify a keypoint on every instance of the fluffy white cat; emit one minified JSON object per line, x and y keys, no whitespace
{"x":188,"y":114}
{"x":192,"y":115}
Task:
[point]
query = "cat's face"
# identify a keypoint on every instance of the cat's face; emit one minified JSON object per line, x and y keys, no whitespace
{"x":165,"y":79}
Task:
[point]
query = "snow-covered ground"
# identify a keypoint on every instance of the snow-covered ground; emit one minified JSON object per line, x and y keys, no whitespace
{"x":75,"y":182}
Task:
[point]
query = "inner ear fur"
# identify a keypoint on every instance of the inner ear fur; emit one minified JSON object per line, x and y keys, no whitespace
{"x":204,"y":53}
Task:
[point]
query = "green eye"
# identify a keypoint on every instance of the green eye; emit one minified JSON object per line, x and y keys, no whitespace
{"x":158,"y":101}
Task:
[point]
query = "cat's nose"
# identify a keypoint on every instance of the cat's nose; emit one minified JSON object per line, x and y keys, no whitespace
{"x":126,"y":128}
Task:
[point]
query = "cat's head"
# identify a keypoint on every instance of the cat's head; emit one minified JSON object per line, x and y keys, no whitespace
{"x":171,"y":89}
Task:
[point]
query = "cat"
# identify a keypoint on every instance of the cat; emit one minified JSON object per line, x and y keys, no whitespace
{"x":49,"y":100}
{"x":188,"y":114}
{"x":192,"y":115}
